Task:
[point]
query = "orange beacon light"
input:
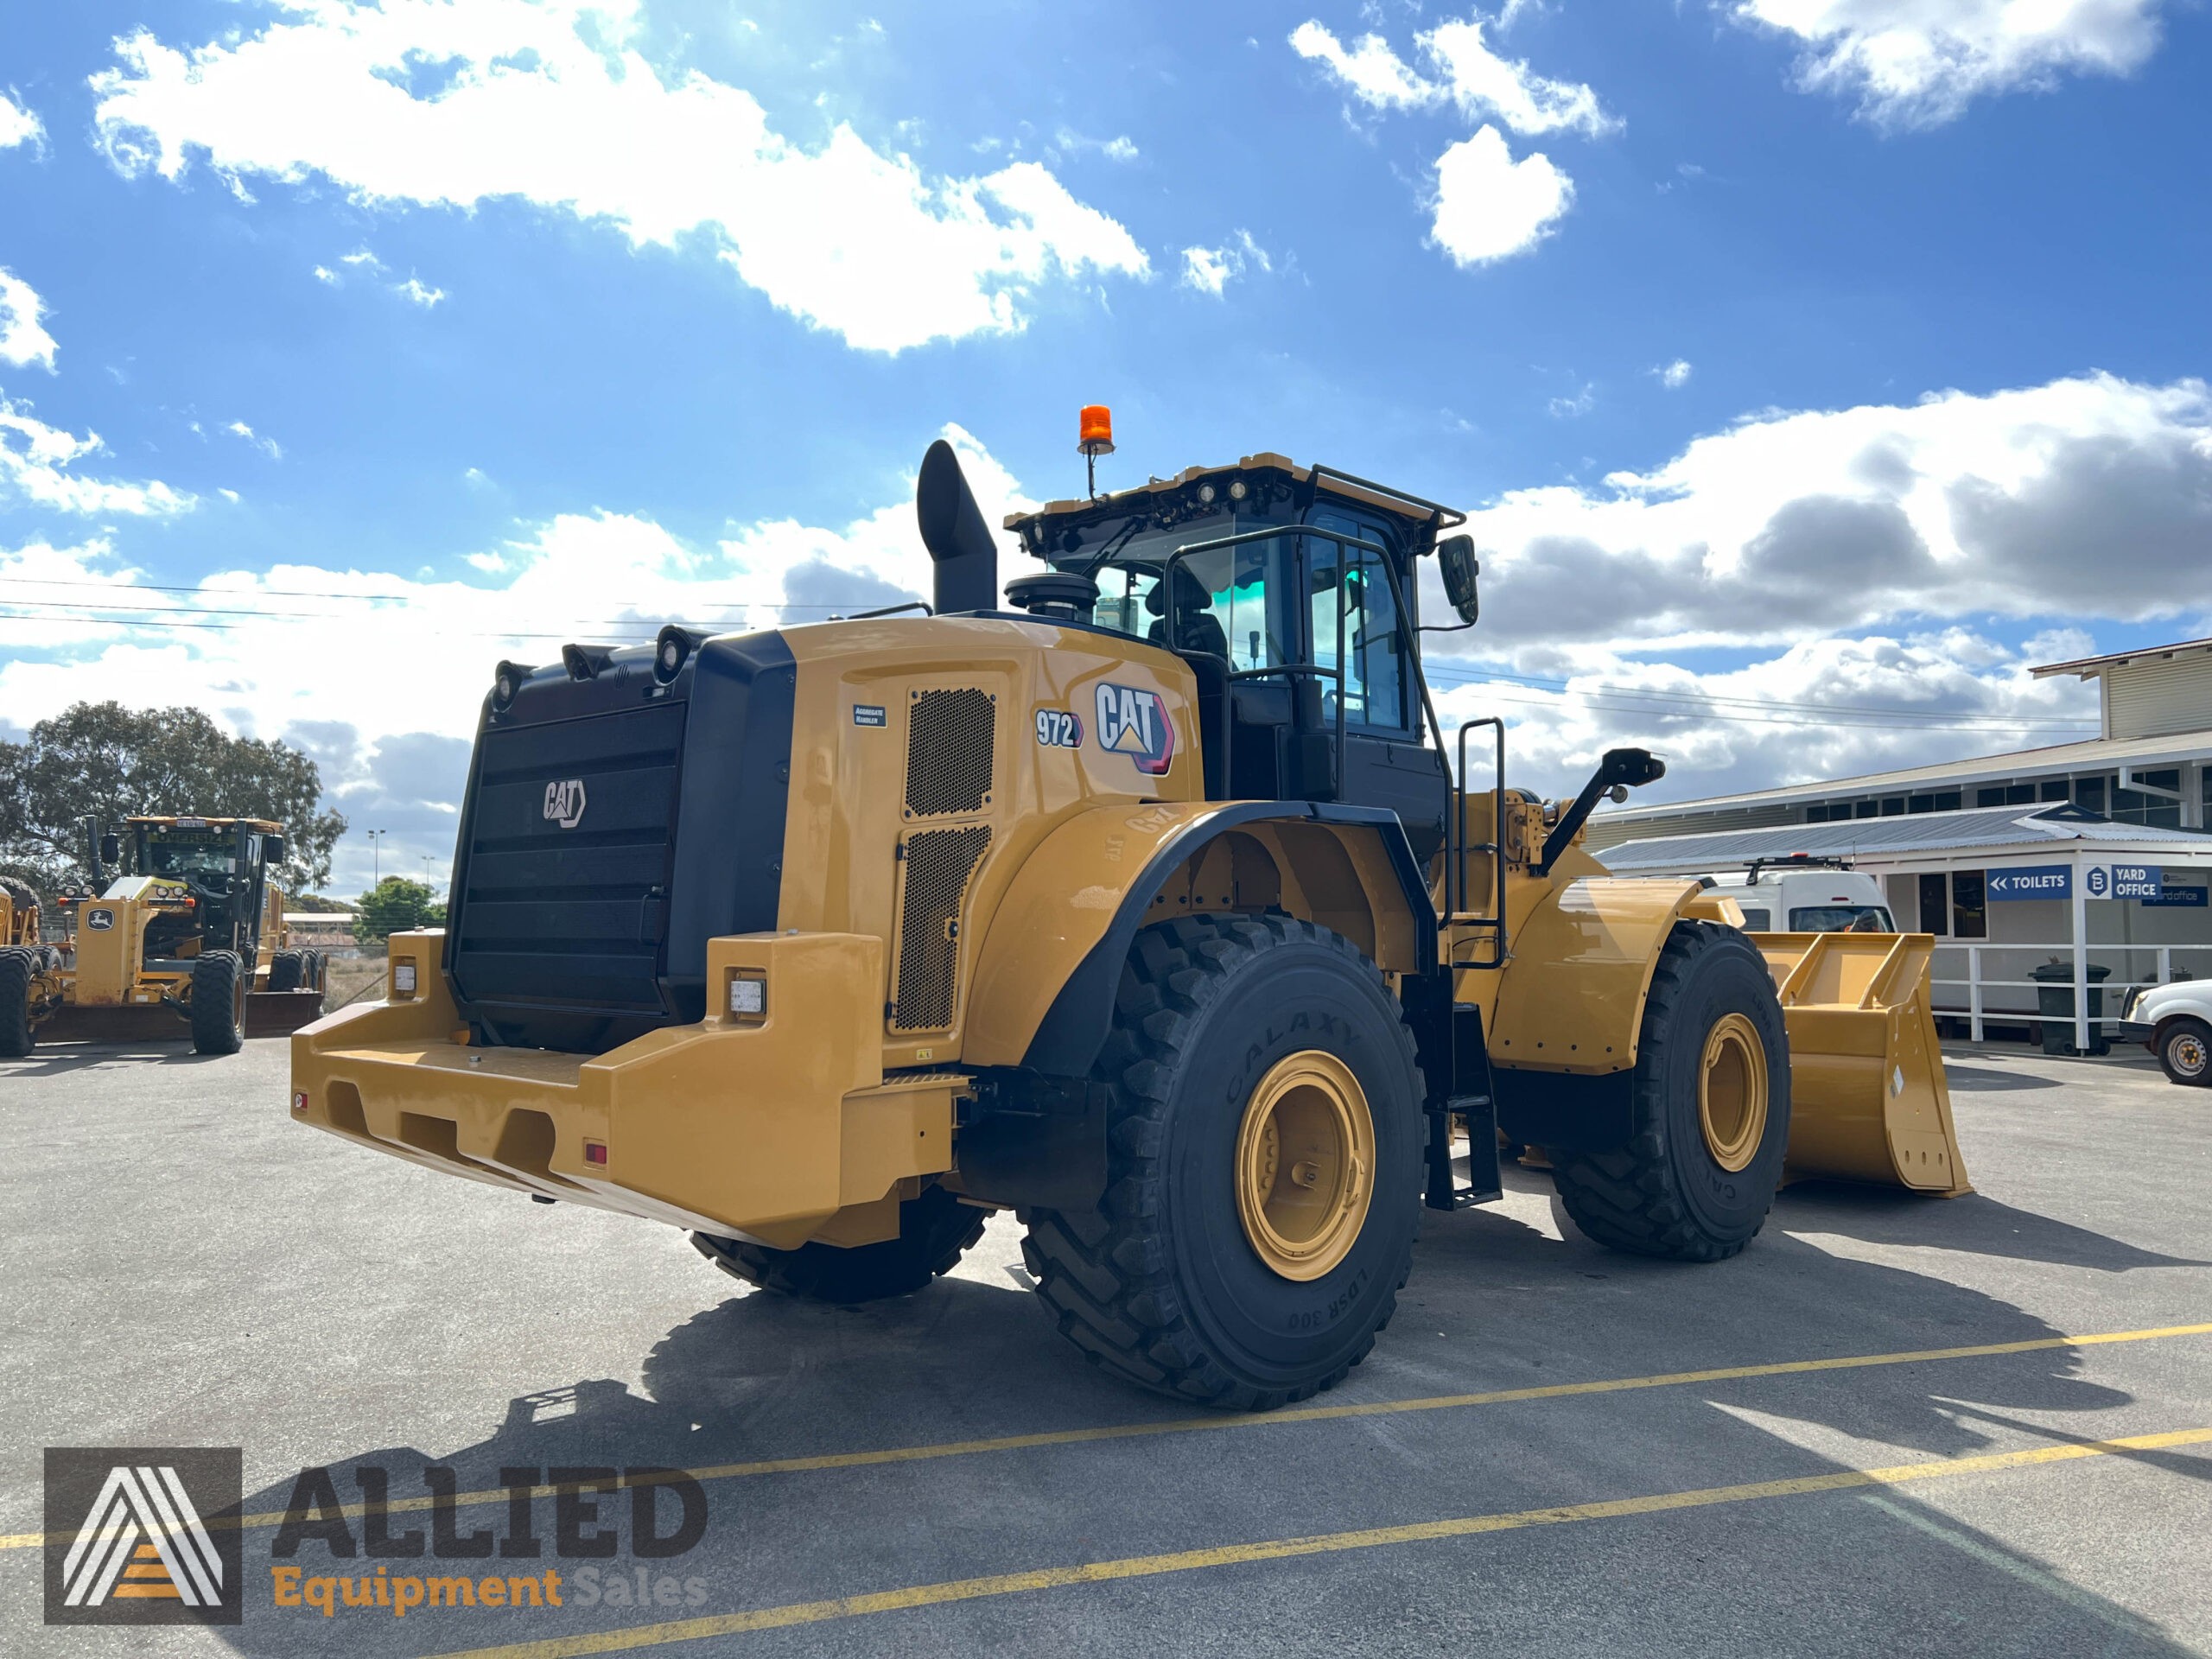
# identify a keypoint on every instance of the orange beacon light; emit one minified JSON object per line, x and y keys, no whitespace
{"x":1094,"y":438}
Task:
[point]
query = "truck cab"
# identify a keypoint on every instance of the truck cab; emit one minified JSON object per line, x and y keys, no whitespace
{"x":1805,"y":896}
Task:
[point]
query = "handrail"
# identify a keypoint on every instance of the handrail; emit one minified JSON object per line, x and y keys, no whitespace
{"x":1455,"y":851}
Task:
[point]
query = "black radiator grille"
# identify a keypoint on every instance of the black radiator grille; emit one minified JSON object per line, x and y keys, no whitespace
{"x":950,"y":736}
{"x":937,"y":867}
{"x":570,"y":917}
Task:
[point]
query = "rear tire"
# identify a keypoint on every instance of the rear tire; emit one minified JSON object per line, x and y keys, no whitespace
{"x":1171,"y":1282}
{"x":285,"y":970}
{"x":218,"y":1004}
{"x":935,"y":1230}
{"x":17,"y":969}
{"x":1692,"y":1183}
{"x":2185,"y":1052}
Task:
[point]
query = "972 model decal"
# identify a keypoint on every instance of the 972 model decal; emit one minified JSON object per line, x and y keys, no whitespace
{"x":1135,"y":723}
{"x":1058,"y":729}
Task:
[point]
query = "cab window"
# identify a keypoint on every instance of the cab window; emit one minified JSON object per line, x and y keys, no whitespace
{"x":1232,"y":602}
{"x":1375,"y":681}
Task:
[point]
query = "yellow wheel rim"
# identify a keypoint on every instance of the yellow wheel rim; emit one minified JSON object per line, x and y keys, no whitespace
{"x":1732,"y":1092}
{"x":1305,"y":1165}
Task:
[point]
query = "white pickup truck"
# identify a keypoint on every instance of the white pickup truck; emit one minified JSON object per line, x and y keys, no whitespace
{"x":1802,"y":896}
{"x":2174,"y":1023}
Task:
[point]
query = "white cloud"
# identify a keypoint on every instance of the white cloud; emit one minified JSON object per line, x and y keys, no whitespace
{"x":1581,"y":402}
{"x":1919,"y":63}
{"x":553,"y":104}
{"x":36,"y":460}
{"x":1371,"y":71}
{"x":361,"y":256}
{"x":1490,"y":207}
{"x":23,"y":340}
{"x":1484,"y":84}
{"x":1674,"y":376}
{"x":1212,"y":269}
{"x":416,"y":293}
{"x":18,"y":125}
{"x":1470,"y":76}
{"x":325,"y":274}
{"x":1789,"y":524}
{"x":268,"y":447}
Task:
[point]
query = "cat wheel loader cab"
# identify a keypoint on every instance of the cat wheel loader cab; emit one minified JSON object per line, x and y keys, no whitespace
{"x":1141,"y":902}
{"x":186,"y":937}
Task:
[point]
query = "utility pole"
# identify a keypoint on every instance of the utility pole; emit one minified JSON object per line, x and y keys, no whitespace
{"x":376,"y":862}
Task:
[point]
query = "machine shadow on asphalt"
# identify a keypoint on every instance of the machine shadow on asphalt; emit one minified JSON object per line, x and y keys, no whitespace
{"x":760,"y":1376}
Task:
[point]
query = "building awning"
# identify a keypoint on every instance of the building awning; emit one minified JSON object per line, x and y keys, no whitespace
{"x":1996,"y":831}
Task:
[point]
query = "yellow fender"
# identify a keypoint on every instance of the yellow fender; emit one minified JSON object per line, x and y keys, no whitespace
{"x":1571,"y":996}
{"x":1045,"y":981}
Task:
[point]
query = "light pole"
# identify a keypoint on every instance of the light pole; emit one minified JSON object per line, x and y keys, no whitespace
{"x":376,"y":862}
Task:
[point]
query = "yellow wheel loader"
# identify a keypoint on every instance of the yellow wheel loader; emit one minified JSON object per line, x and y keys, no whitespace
{"x":1141,"y":901}
{"x":187,"y":937}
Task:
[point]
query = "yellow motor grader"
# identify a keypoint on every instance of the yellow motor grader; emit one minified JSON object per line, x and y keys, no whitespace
{"x":1151,"y":902}
{"x":189,"y":929}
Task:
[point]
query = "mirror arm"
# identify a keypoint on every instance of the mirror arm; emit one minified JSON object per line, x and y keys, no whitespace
{"x":1619,"y":768}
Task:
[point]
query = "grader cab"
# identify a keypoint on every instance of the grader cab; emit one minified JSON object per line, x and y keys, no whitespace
{"x":187,"y":936}
{"x":1153,"y":902}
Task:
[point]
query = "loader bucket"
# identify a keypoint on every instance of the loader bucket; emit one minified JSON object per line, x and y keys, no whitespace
{"x":1868,"y":1101}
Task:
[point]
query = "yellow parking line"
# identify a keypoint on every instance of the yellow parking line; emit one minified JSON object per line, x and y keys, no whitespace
{"x":1262,"y":1420}
{"x":1275,"y":1549}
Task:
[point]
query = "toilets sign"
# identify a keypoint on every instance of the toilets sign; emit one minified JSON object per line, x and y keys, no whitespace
{"x":2034,"y":882}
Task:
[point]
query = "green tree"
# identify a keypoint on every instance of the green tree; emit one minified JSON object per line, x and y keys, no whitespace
{"x":394,"y":905}
{"x":103,"y":760}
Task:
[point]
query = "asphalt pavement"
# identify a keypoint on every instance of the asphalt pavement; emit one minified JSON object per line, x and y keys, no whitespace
{"x":1892,"y":1424}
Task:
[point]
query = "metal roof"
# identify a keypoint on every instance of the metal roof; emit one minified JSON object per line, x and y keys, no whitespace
{"x":2096,"y":754}
{"x":2089,"y":667}
{"x":2053,"y":828}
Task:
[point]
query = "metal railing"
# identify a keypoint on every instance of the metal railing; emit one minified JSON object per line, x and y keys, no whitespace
{"x":2123,"y":976}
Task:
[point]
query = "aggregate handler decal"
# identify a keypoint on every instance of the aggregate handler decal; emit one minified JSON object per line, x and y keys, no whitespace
{"x":1135,"y":723}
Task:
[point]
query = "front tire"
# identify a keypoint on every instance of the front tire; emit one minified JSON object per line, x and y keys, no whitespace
{"x":218,"y":1004}
{"x":17,"y":969}
{"x":1263,"y":1167}
{"x":1709,"y":1110}
{"x":2185,"y":1052}
{"x":935,"y":1230}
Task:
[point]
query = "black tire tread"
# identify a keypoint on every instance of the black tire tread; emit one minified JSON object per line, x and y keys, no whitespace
{"x":936,"y":1230}
{"x":17,"y":969}
{"x":1626,"y":1198}
{"x":1105,"y":1277}
{"x":214,"y":981}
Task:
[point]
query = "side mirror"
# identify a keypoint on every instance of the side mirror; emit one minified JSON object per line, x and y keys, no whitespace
{"x":1456,"y":561}
{"x":111,"y":848}
{"x":272,"y":848}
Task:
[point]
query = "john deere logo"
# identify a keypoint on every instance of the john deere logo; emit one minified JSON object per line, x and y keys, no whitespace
{"x":564,"y":803}
{"x":1135,"y":723}
{"x":128,"y":1538}
{"x":99,"y":920}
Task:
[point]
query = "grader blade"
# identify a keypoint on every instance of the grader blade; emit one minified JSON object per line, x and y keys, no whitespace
{"x":1868,"y":1100}
{"x":278,"y":1014}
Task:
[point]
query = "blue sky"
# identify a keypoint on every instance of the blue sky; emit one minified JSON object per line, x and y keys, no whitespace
{"x":1798,"y":359}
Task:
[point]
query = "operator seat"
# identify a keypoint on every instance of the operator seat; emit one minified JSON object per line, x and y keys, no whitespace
{"x":1196,"y":627}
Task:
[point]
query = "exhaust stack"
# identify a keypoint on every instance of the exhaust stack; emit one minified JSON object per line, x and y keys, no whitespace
{"x":953,"y":529}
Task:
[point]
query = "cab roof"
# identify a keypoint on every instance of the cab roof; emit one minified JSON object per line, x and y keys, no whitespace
{"x":1269,"y":475}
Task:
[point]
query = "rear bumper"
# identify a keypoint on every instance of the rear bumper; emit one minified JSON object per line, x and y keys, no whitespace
{"x":763,"y":1129}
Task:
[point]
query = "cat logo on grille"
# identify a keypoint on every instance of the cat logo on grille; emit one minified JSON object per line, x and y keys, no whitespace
{"x":137,"y":1551}
{"x":564,"y":803}
{"x":1135,"y":723}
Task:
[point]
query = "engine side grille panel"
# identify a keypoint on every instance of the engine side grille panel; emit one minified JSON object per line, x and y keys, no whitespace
{"x":939,"y":864}
{"x":950,"y":738}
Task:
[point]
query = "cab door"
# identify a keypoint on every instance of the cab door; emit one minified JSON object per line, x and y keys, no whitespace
{"x":1386,"y":763}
